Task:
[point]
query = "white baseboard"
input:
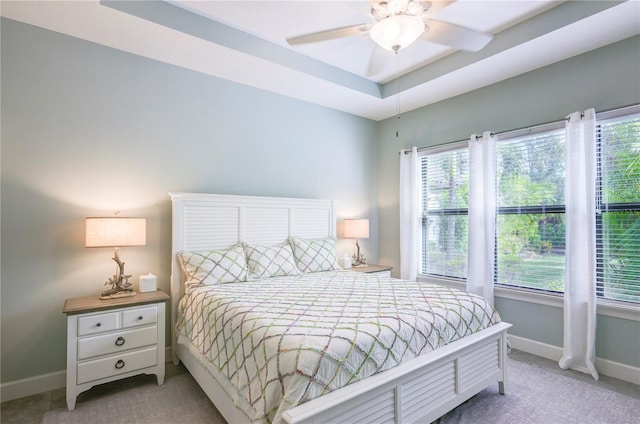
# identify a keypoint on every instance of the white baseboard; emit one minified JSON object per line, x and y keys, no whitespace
{"x":41,"y":383}
{"x":33,"y":385}
{"x":536,"y":348}
{"x":606,"y":367}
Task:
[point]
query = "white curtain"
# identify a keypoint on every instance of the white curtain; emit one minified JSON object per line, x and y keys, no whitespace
{"x":482,"y":215}
{"x":578,"y":352}
{"x":409,"y":214}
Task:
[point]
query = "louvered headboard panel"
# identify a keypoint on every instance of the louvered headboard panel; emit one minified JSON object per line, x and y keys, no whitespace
{"x":215,"y":221}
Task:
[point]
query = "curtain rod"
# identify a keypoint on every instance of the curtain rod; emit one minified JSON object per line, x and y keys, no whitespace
{"x":529,"y":129}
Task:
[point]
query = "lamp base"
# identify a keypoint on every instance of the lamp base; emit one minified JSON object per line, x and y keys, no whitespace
{"x":120,"y":285}
{"x":117,"y":295}
{"x":358,"y":260}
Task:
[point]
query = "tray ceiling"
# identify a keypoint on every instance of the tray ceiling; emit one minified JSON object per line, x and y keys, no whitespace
{"x":245,"y":42}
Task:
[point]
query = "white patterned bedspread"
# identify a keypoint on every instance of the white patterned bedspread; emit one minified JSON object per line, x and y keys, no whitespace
{"x":278,"y":342}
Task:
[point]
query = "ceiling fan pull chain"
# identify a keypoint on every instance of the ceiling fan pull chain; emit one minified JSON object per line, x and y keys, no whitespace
{"x":397,"y":95}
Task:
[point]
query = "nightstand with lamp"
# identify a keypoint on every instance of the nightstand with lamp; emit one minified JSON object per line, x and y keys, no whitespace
{"x":120,"y":333}
{"x":356,"y":229}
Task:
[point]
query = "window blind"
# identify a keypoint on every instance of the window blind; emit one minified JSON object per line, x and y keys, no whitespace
{"x":445,"y":194}
{"x":530,"y":240}
{"x":618,"y":208}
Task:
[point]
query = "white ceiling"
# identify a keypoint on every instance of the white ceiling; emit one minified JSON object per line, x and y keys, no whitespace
{"x":276,"y":21}
{"x":245,"y":42}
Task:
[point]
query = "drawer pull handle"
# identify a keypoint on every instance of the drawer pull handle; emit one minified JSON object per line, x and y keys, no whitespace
{"x":120,"y":364}
{"x":120,"y":341}
{"x":140,"y":318}
{"x":99,"y":324}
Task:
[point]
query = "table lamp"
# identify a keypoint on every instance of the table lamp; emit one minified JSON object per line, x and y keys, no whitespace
{"x":357,"y":229}
{"x":116,"y":232}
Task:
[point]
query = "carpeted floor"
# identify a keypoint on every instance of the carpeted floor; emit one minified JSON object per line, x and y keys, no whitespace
{"x":178,"y":400}
{"x":549,"y":395}
{"x":538,"y":393}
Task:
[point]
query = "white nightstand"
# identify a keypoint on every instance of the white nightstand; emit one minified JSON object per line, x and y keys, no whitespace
{"x":381,"y":270}
{"x":112,"y":339}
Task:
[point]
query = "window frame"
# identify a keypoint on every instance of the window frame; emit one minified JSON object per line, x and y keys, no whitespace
{"x":602,"y":207}
{"x":541,"y":130}
{"x":459,"y":145}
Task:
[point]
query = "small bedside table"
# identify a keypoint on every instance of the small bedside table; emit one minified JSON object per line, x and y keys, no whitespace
{"x":384,"y":271}
{"x":112,"y":339}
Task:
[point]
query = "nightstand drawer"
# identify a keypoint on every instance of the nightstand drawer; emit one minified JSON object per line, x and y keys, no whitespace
{"x":98,"y":323}
{"x":117,"y":364}
{"x":89,"y":347}
{"x":139,"y":316}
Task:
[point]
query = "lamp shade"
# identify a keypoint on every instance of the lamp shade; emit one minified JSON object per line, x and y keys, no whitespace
{"x":397,"y":32}
{"x":115,"y":232}
{"x":356,"y":228}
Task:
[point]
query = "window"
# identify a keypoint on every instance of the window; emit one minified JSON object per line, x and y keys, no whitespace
{"x":445,"y":198}
{"x":618,"y":208}
{"x":530,"y":239}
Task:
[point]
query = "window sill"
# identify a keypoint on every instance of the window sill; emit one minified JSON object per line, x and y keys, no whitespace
{"x":605,"y":307}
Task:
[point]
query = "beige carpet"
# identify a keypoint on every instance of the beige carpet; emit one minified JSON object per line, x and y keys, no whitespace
{"x":538,"y":393}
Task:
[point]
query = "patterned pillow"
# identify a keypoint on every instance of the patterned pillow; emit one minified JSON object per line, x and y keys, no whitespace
{"x":208,"y":267}
{"x":315,"y":255}
{"x":271,"y":261}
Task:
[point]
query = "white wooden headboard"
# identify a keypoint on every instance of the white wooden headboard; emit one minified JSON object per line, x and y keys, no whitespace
{"x":215,"y":221}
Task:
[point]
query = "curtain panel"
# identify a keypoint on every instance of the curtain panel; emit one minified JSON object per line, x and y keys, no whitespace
{"x":409,"y":214}
{"x":482,"y":215}
{"x":578,"y":351}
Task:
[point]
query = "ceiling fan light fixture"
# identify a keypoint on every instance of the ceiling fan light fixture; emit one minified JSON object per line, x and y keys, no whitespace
{"x":397,"y":32}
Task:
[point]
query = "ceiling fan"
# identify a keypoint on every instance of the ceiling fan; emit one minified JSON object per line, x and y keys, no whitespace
{"x":399,"y":23}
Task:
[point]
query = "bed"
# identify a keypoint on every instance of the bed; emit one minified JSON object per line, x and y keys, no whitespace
{"x":248,"y":366}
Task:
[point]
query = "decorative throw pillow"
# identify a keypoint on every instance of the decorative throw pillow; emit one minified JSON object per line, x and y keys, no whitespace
{"x":271,"y":261}
{"x":314,"y":255}
{"x":214,"y":266}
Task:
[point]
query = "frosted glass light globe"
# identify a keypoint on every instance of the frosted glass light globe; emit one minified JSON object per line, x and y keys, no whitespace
{"x":397,"y":32}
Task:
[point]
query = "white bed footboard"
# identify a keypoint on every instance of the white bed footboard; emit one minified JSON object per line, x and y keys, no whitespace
{"x":418,"y":391}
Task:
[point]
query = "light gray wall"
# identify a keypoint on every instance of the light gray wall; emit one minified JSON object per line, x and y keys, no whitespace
{"x":606,"y":78}
{"x":87,"y":130}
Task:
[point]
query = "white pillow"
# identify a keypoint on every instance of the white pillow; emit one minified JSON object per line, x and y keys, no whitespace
{"x":207,"y":267}
{"x":314,"y":255}
{"x":271,"y":261}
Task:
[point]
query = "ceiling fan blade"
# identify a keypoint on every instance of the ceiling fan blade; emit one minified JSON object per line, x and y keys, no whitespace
{"x":456,"y":36}
{"x":329,"y":34}
{"x":378,"y":59}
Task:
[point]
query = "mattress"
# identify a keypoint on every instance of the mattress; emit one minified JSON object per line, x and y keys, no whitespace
{"x":275,"y":343}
